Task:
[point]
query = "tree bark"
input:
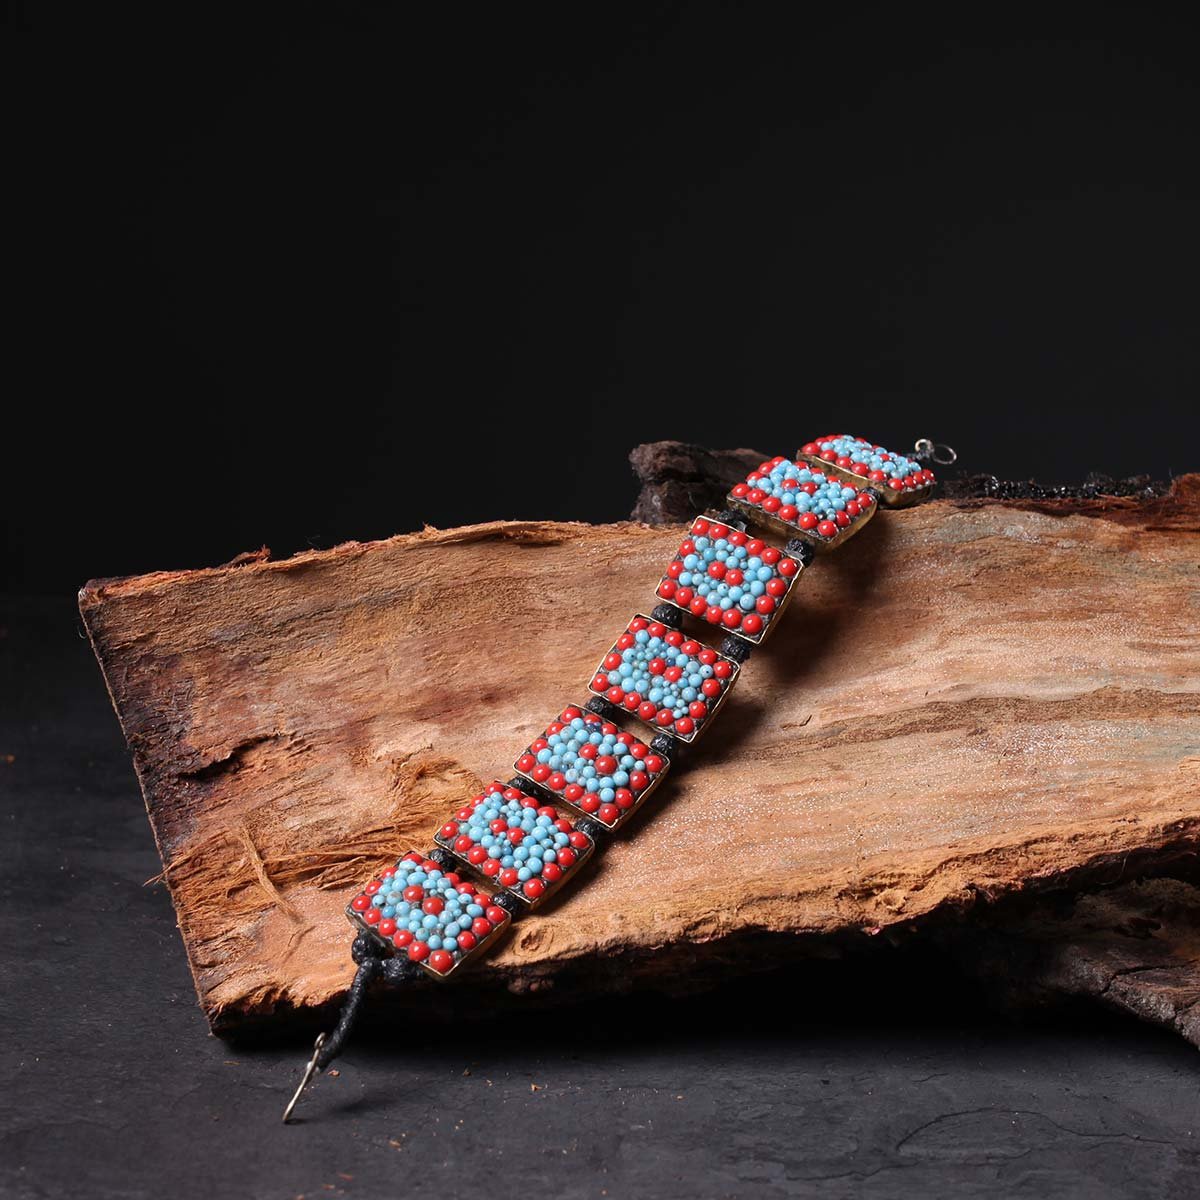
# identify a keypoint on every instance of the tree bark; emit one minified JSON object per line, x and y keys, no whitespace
{"x":973,"y":699}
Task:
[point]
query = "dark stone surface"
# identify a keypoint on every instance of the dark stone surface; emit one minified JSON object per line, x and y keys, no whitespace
{"x":882,"y":1078}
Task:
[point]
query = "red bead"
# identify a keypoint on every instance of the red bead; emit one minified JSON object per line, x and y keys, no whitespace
{"x":590,"y":802}
{"x":740,"y":489}
{"x":573,"y":791}
{"x":508,"y":876}
{"x":810,"y":448}
{"x":441,"y":961}
{"x":578,"y":840}
{"x":466,"y":889}
{"x":807,"y":520}
{"x":852,"y":509}
{"x":571,"y":712}
{"x":541,"y":773}
{"x":490,"y":867}
{"x":829,"y":455}
{"x":710,"y":688}
{"x":433,"y":905}
{"x":372,"y":887}
{"x":647,"y":710}
{"x":896,"y":483}
{"x":638,"y":781}
{"x":673,"y":637}
{"x":495,"y":914}
{"x":462,"y":843}
{"x":771,"y":556}
{"x":623,"y":798}
{"x":754,"y":547}
{"x":755,"y":495}
{"x":555,"y":781}
{"x":551,"y":872}
{"x":752,"y":623}
{"x":685,"y":725}
{"x":809,"y":488}
{"x":653,"y":763}
{"x":789,"y":512}
{"x":772,"y":504}
{"x":481,"y":927}
{"x":359,"y":903}
{"x":722,"y":670}
{"x":605,"y":764}
{"x":734,"y":577}
{"x":526,"y":763}
{"x":699,"y":528}
{"x":413,"y":894}
{"x":876,"y":476}
{"x":632,"y":700}
{"x":566,"y":858}
{"x":663,"y":717}
{"x":717,"y":531}
{"x":842,"y":519}
{"x":533,"y":888}
{"x":371,"y":916}
{"x":387,"y":927}
{"x":475,"y":856}
{"x":698,"y":605}
{"x":401,"y":938}
{"x":638,"y":624}
{"x":684,"y":597}
{"x":713,"y":614}
{"x":667,"y":589}
{"x":607,"y":813}
{"x":826,"y":528}
{"x":449,"y":829}
{"x":731,"y":618}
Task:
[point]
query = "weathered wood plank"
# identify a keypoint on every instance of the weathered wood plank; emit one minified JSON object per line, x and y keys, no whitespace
{"x":971,"y":698}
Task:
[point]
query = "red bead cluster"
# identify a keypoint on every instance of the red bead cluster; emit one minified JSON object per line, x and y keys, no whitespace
{"x":921,"y":478}
{"x":465,"y":847}
{"x":679,"y":585}
{"x":604,"y":760}
{"x":686,"y":725}
{"x":438,"y":961}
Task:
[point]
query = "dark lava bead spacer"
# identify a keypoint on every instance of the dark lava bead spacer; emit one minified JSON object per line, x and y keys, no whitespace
{"x":507,"y":901}
{"x":593,"y":829}
{"x":737,"y":648}
{"x":443,"y":858}
{"x":602,"y":708}
{"x":732,"y":518}
{"x":801,"y":551}
{"x":668,"y":615}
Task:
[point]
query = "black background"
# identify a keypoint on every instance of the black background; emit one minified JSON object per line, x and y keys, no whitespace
{"x":300,"y":275}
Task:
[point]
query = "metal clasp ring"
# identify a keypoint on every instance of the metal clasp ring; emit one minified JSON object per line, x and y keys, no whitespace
{"x":939,"y":452}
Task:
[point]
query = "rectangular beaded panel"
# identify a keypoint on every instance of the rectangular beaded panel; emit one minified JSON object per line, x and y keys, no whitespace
{"x":804,"y":501}
{"x":665,"y":678}
{"x":435,"y":918}
{"x":527,"y":847}
{"x":592,"y":765}
{"x":732,"y":580}
{"x":899,"y":480}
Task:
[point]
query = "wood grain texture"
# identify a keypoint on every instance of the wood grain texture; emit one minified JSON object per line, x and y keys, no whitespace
{"x":971,"y":698}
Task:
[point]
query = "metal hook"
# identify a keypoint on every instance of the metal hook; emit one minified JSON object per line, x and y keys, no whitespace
{"x":939,"y":452}
{"x":309,"y":1071}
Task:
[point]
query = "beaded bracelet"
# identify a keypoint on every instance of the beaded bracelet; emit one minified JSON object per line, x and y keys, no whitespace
{"x":522,"y":841}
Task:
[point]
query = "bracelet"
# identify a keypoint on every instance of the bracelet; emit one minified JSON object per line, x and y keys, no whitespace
{"x":525,"y":839}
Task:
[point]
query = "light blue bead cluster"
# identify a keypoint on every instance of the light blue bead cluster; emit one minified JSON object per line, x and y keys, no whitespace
{"x":439,"y":931}
{"x":633,"y":675}
{"x":540,"y":841}
{"x":562,"y":754}
{"x":785,"y":479}
{"x":860,"y":450}
{"x":756,"y":574}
